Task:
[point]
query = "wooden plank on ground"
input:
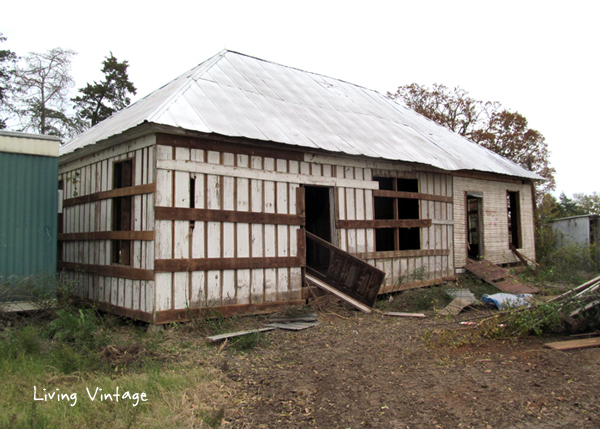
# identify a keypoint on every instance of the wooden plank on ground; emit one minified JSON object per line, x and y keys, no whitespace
{"x":294,"y":326}
{"x":391,"y":313}
{"x":490,"y":272}
{"x":314,"y":281}
{"x":574,"y":344}
{"x":220,"y":337}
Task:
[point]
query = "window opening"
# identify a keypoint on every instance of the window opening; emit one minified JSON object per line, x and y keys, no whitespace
{"x":121,"y":221}
{"x":391,"y":208}
{"x":192,"y":198}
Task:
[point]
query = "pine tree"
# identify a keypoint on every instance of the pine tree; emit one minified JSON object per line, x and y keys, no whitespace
{"x":100,"y":100}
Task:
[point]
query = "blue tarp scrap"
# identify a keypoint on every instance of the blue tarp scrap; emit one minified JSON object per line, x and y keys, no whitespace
{"x":506,"y":300}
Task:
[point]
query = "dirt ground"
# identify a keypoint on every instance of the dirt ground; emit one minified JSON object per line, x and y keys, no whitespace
{"x":371,"y":371}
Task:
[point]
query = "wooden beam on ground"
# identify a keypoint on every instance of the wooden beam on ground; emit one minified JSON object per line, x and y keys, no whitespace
{"x":215,"y":338}
{"x":574,"y":344}
{"x":294,"y":326}
{"x":391,"y":313}
{"x":321,"y":284}
{"x":577,"y":289}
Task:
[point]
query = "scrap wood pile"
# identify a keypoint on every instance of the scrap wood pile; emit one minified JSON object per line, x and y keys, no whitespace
{"x":524,"y":315}
{"x":576,"y":304}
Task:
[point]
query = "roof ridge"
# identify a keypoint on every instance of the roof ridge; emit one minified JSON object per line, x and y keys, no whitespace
{"x":225,"y":51}
{"x":189,"y":81}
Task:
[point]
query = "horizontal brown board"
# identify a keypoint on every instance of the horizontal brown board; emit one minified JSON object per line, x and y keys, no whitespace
{"x":402,"y":254}
{"x":180,"y":213}
{"x":108,"y":270}
{"x":412,"y":195}
{"x":168,"y":316}
{"x":107,"y":235}
{"x":114,"y":193}
{"x":221,"y":146}
{"x":204,"y":264}
{"x":383,"y":223}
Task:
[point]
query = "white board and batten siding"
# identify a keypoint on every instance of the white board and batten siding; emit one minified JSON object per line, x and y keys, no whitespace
{"x":227,"y":181}
{"x":430,"y":264}
{"x":231,"y":182}
{"x":495,"y":219}
{"x":354,"y":201}
{"x":86,"y":177}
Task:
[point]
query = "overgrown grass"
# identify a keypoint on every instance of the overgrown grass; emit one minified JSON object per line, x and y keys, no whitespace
{"x":73,"y":349}
{"x":190,"y":397}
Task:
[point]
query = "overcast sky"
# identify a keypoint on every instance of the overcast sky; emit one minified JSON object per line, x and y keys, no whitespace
{"x":539,"y":58}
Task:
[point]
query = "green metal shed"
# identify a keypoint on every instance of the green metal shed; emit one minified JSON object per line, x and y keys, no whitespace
{"x":28,"y":204}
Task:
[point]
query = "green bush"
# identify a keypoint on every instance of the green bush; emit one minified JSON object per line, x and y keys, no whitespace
{"x":563,"y":262}
{"x":28,"y":339}
{"x":75,"y":326}
{"x":542,"y":319}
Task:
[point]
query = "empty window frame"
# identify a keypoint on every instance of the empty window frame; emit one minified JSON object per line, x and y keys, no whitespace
{"x":121,"y":214}
{"x":390,"y":239}
{"x":514,"y":219}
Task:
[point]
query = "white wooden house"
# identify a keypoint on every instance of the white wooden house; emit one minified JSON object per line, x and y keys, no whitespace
{"x":200,"y":194}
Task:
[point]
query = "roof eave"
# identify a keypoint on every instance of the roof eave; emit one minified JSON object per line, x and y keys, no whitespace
{"x":138,"y":131}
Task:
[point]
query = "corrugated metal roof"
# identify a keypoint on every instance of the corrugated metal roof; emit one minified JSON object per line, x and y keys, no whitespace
{"x":240,"y":96}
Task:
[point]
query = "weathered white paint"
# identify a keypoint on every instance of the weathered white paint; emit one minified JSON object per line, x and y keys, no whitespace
{"x":250,"y":173}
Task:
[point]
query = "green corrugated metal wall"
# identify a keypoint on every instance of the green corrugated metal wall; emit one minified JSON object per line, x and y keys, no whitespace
{"x":28,"y":214}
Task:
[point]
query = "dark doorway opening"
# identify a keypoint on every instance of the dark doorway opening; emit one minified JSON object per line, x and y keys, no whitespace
{"x":318,"y":222}
{"x":514,"y":219}
{"x":475,"y":226}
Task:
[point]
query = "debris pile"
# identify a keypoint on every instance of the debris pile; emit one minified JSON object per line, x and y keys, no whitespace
{"x":576,"y":303}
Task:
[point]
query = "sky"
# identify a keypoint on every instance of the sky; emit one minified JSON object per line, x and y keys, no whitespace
{"x":539,"y":58}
